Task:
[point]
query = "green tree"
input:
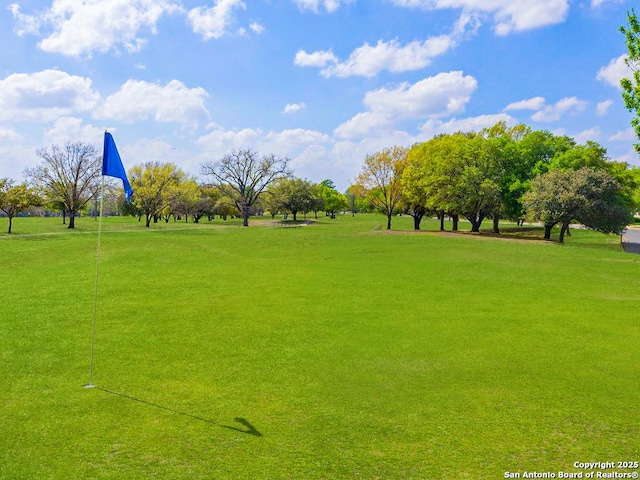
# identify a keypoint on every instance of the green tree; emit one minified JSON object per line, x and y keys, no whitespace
{"x":631,"y":86}
{"x":156,"y":186}
{"x":290,"y":195}
{"x":381,"y":177}
{"x":589,"y":196}
{"x":332,"y":200}
{"x":67,"y":176}
{"x":15,"y":199}
{"x":244,"y":176}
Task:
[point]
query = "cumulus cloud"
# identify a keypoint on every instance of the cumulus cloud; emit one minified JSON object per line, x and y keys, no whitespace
{"x":81,"y":28}
{"x":9,"y":134}
{"x":293,"y":107}
{"x":508,"y":15}
{"x":590,"y":134}
{"x":470,"y":124}
{"x":316,"y":5}
{"x":369,"y":60}
{"x":441,"y":95}
{"x":45,"y":96}
{"x":220,"y":141}
{"x":71,"y":129}
{"x":535,"y":103}
{"x":615,"y":71}
{"x":256,"y":28}
{"x":214,"y":22}
{"x":138,"y":100}
{"x":315,"y":59}
{"x":553,"y":113}
{"x":603,"y":107}
{"x":624,"y":135}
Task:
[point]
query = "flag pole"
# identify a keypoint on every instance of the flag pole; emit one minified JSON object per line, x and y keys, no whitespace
{"x":95,"y":292}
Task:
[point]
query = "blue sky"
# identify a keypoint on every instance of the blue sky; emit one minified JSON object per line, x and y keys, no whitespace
{"x":324,"y":82}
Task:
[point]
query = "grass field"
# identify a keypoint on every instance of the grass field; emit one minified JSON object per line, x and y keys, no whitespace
{"x":334,"y":350}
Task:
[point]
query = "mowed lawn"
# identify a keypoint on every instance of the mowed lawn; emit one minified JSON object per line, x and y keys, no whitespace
{"x":333,"y":350}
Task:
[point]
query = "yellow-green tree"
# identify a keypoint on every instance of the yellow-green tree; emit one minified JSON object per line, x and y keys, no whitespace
{"x":16,"y":198}
{"x":155,"y":185}
{"x":381,"y":177}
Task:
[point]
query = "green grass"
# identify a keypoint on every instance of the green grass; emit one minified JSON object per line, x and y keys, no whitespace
{"x":350,"y":352}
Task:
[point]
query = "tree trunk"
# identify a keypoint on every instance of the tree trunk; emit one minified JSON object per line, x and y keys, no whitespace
{"x":72,"y":219}
{"x":416,"y":221}
{"x":295,"y":216}
{"x":10,"y":222}
{"x":441,"y":217}
{"x":245,"y":218}
{"x":388,"y":221}
{"x":456,"y":218}
{"x":147,"y":220}
{"x":496,"y":227}
{"x":563,"y":230}
{"x":547,"y":232}
{"x":64,"y":217}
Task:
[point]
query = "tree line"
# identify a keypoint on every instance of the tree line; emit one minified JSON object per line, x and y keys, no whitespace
{"x":501,"y":172}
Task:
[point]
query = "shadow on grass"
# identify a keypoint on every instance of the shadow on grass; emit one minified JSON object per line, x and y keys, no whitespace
{"x":249,"y":429}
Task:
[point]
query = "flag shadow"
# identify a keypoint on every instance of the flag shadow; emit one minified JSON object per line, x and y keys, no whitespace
{"x":249,"y":428}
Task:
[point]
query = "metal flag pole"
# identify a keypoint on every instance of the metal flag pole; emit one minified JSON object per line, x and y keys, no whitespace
{"x":95,"y":292}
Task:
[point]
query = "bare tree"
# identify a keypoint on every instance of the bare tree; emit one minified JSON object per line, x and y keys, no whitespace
{"x":243,"y":176}
{"x":68,"y":176}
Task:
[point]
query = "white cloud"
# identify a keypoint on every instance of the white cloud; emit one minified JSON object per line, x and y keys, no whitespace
{"x":44,"y":96}
{"x":291,"y":142}
{"x":71,"y":129}
{"x":213,"y":22}
{"x":9,"y":134}
{"x":624,"y":136}
{"x":603,"y":107}
{"x":137,"y":100}
{"x":81,"y":28}
{"x":535,"y":103}
{"x":590,"y":134}
{"x":599,"y":3}
{"x":315,"y":5}
{"x":368,"y":60}
{"x":552,"y":113}
{"x":256,"y":28}
{"x":220,"y":142}
{"x":470,"y":124}
{"x":508,"y":15}
{"x":293,"y":107}
{"x":615,"y":71}
{"x":315,"y":59}
{"x":441,"y":95}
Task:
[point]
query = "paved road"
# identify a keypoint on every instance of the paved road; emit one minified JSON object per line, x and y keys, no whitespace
{"x":631,"y":240}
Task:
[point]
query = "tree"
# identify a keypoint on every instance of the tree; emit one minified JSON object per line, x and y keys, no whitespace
{"x":68,"y":176}
{"x":381,"y":176}
{"x":631,"y":87}
{"x":155,"y":185}
{"x":589,"y":196}
{"x":290,"y":195}
{"x":356,"y":199}
{"x":16,"y":199}
{"x":244,"y":177}
{"x":414,"y":193}
{"x":332,"y":200}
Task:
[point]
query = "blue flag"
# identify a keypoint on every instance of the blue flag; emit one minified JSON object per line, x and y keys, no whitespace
{"x":112,"y":165}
